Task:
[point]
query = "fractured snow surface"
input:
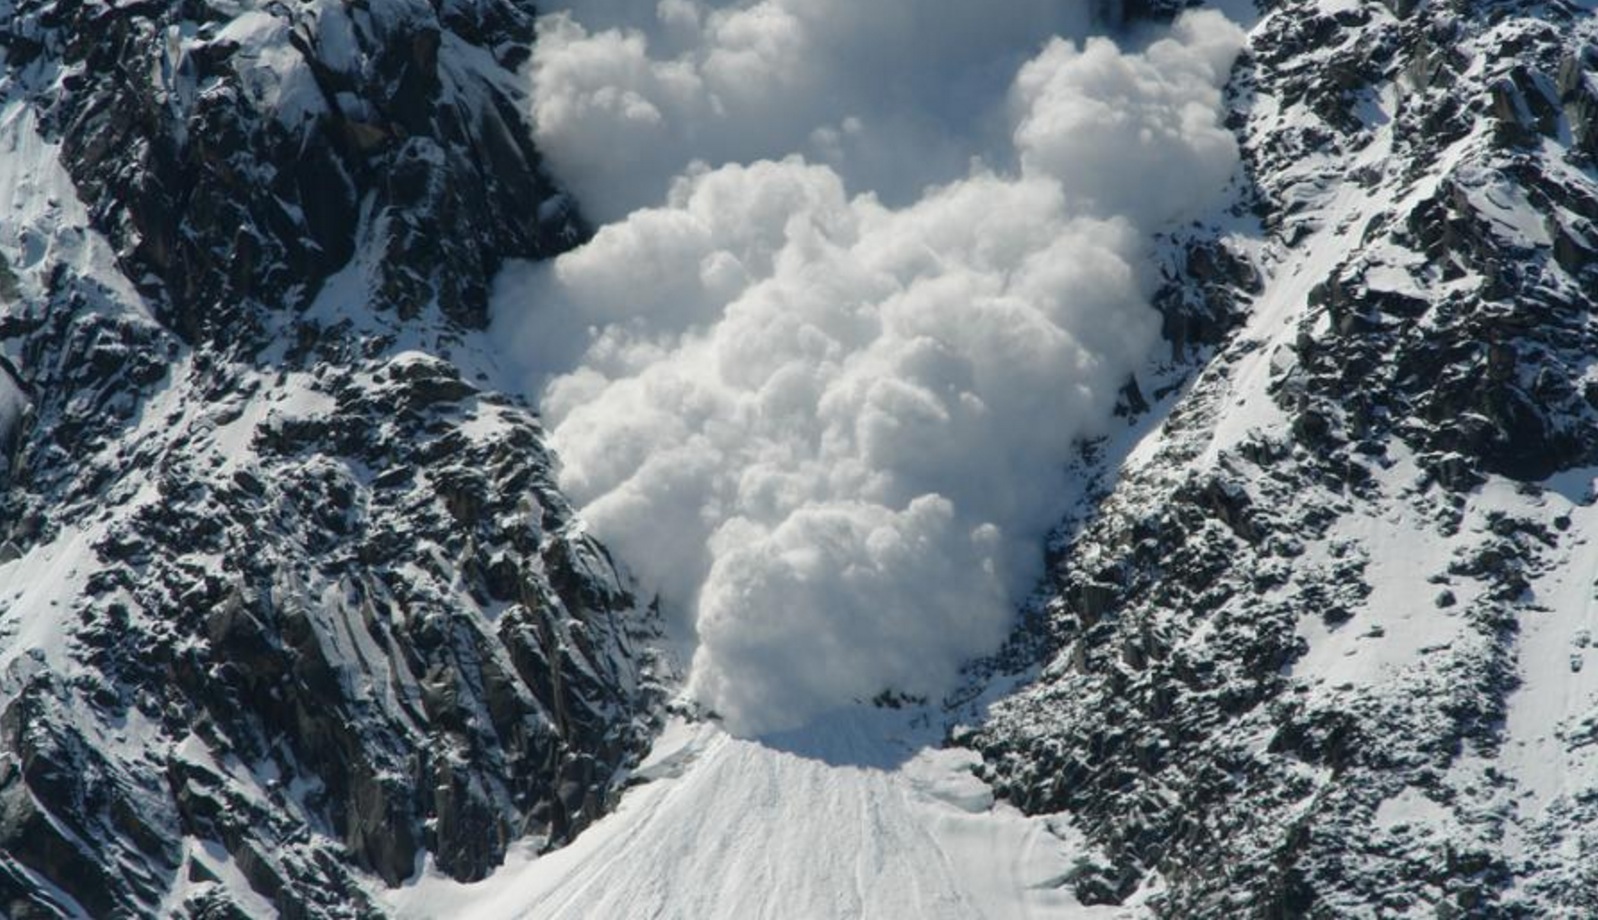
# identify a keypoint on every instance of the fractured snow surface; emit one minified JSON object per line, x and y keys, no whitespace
{"x":856,"y":817}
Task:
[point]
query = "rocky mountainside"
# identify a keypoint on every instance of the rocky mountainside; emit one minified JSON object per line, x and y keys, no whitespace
{"x":287,"y":597}
{"x":1317,"y":644}
{"x":292,"y":611}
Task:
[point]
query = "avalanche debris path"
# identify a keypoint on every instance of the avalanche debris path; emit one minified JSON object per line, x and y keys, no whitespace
{"x":856,"y":816}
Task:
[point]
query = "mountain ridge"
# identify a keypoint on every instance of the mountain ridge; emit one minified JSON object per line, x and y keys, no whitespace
{"x":1304,"y":599}
{"x":293,"y":597}
{"x":292,"y":610}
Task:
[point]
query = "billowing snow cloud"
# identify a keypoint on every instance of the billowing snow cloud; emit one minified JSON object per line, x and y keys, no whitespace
{"x":818,"y":405}
{"x":893,"y":94}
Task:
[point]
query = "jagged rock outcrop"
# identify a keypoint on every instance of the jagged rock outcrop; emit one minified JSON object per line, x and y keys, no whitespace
{"x":1309,"y":651}
{"x":290,"y":607}
{"x":288,"y":600}
{"x":228,"y":156}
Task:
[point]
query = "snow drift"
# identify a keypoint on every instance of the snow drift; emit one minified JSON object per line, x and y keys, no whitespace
{"x":819,"y":393}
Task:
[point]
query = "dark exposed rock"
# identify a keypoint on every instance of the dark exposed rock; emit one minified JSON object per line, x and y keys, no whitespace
{"x":221,"y":207}
{"x":326,"y":610}
{"x":1183,"y":715}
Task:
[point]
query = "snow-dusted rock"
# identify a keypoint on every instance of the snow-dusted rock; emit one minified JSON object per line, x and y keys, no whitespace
{"x":291,"y":611}
{"x":287,"y":597}
{"x":1314,"y":647}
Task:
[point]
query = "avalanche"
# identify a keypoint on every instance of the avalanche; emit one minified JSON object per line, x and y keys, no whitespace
{"x":826,"y":428}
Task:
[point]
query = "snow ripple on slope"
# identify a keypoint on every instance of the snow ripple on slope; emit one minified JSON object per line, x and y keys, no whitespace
{"x":831,"y":821}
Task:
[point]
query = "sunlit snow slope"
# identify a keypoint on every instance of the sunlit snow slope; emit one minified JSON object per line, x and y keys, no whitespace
{"x":856,"y":816}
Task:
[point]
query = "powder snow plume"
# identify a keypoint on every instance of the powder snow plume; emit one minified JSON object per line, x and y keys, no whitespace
{"x":869,"y":271}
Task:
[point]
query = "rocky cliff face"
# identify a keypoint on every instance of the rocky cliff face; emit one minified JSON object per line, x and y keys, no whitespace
{"x":1316,"y":645}
{"x":287,"y":597}
{"x":290,"y":607}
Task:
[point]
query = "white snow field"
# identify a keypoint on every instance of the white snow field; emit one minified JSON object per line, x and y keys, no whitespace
{"x":857,"y":816}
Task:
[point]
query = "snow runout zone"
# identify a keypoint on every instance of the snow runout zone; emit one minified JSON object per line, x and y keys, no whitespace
{"x":855,"y":816}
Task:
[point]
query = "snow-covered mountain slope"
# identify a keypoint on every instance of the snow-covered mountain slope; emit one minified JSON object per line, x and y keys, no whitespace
{"x":287,"y":597}
{"x":1316,"y":647}
{"x":857,"y":815}
{"x":1314,"y":644}
{"x":294,"y":621}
